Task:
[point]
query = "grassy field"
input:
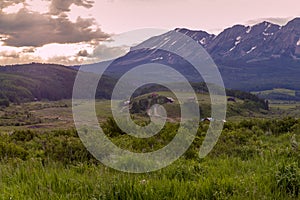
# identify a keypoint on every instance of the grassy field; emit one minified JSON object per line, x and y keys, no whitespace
{"x":51,"y":115}
{"x":214,"y":179}
{"x":285,"y":108}
{"x":41,"y":157}
{"x":253,"y":159}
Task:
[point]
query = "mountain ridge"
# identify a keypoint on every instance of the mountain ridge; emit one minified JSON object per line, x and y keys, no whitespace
{"x":250,"y":58}
{"x":263,"y":35}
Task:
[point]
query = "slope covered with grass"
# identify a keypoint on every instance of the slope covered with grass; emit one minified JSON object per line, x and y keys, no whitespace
{"x":21,"y":83}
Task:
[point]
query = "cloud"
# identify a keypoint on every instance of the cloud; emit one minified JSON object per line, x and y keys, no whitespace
{"x":83,"y":53}
{"x":25,"y":31}
{"x":59,"y":6}
{"x":14,"y":57}
{"x":27,"y":28}
{"x":103,"y":52}
{"x":7,"y":3}
{"x":10,"y":54}
{"x":275,"y":20}
{"x":28,"y":55}
{"x":65,"y":60}
{"x":29,"y":50}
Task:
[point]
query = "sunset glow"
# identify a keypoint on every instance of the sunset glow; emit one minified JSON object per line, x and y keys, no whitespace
{"x":81,"y":26}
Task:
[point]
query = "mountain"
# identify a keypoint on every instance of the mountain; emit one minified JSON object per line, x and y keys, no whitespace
{"x":264,"y":41}
{"x":250,"y":58}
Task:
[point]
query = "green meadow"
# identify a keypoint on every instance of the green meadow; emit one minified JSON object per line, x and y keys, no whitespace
{"x":256,"y":157}
{"x":253,"y":159}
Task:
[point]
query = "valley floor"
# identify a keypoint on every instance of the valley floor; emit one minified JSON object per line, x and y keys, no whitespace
{"x":43,"y":158}
{"x":253,"y":159}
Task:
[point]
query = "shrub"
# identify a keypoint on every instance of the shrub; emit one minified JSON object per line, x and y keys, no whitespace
{"x":23,"y":135}
{"x":12,"y":151}
{"x":111,"y":128}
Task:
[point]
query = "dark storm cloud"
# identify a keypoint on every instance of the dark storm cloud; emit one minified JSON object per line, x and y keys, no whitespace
{"x":27,"y":28}
{"x":33,"y":29}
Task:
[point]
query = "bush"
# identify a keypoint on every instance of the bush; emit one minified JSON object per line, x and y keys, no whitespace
{"x":111,"y":128}
{"x":12,"y":151}
{"x":23,"y":135}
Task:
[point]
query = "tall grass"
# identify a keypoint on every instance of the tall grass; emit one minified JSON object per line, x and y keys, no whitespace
{"x":248,"y":162}
{"x":219,"y":178}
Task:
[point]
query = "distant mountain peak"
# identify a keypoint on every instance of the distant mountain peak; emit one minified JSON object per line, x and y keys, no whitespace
{"x":243,"y":53}
{"x":266,"y":23}
{"x":294,"y":24}
{"x":202,"y":37}
{"x":262,"y":41}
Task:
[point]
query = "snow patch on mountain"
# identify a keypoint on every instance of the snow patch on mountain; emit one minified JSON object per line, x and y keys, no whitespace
{"x":153,"y":47}
{"x":252,"y":49}
{"x":269,"y":26}
{"x":238,"y":40}
{"x":232,"y":48}
{"x":249,"y":29}
{"x":166,"y":41}
{"x":159,"y":58}
{"x":267,"y":34}
{"x":298,"y":43}
{"x":203,"y":41}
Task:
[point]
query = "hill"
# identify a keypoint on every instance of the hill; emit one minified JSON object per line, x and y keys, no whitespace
{"x":21,"y":83}
{"x":240,"y":103}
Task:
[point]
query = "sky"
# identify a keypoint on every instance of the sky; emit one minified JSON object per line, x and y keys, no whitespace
{"x":73,"y":32}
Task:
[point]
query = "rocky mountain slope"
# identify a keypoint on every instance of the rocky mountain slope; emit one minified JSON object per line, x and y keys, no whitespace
{"x":250,"y":58}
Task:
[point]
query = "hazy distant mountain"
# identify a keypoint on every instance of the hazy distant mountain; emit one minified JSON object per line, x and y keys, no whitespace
{"x":259,"y":57}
